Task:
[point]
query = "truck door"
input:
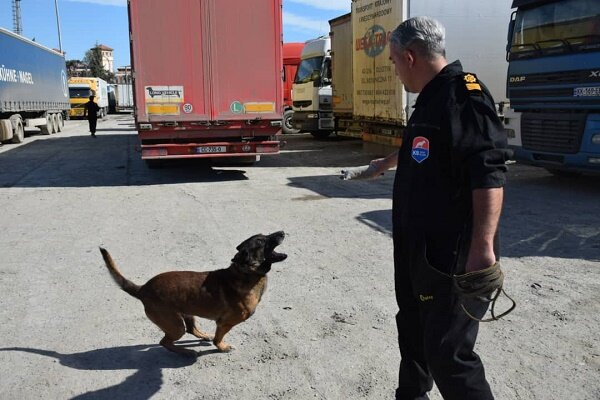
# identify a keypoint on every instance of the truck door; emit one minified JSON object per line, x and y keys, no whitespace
{"x":169,"y":57}
{"x":246,"y":80}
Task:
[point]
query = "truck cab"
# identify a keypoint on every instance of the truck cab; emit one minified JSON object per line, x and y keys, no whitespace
{"x":292,"y":53}
{"x":553,"y":84}
{"x":312,"y":92}
{"x":80,"y":89}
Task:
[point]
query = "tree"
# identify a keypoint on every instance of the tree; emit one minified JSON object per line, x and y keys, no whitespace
{"x":93,"y":59}
{"x":77,"y":68}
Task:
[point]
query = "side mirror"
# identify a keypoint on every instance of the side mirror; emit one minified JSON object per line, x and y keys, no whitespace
{"x":511,"y":31}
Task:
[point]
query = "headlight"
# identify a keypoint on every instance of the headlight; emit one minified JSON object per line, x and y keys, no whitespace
{"x":596,"y":139}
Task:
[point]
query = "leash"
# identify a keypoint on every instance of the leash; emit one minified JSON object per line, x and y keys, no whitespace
{"x":484,"y":285}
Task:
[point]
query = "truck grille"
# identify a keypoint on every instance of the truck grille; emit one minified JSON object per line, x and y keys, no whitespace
{"x":553,"y":133}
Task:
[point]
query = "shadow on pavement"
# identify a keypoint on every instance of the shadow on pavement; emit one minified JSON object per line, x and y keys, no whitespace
{"x":147,"y":360}
{"x":543,"y":215}
{"x":107,"y":160}
{"x":549,"y":216}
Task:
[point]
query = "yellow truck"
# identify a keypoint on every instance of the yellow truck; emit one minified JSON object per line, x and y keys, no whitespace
{"x":81,"y":88}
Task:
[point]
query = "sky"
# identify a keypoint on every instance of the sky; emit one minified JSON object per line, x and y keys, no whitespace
{"x":87,"y":22}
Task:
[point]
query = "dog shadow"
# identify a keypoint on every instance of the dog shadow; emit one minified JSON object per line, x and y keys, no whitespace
{"x":147,"y":360}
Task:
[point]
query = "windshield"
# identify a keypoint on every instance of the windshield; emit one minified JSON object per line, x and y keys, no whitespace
{"x":306,"y":69}
{"x":556,"y":28}
{"x":79,"y":93}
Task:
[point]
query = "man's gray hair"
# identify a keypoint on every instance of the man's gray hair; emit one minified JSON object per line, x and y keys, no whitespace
{"x":423,"y":34}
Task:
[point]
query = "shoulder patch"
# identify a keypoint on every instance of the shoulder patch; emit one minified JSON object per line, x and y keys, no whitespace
{"x":471,"y":83}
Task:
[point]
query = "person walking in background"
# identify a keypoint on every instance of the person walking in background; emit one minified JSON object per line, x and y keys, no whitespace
{"x":447,"y":199}
{"x":91,"y":111}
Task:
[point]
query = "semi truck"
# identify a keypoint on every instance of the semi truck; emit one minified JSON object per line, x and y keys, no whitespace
{"x":124,"y":97}
{"x":553,"y":84}
{"x":291,"y":59}
{"x":33,"y":87}
{"x":475,"y":34}
{"x":81,"y":88}
{"x":207,"y":78}
{"x":342,"y":84}
{"x":311,"y":91}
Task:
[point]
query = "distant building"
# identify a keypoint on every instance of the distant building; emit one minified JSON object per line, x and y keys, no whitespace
{"x":107,"y":57}
{"x":123,"y":74}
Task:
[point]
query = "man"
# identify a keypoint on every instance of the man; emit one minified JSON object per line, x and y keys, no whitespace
{"x":446,"y":206}
{"x":91,"y":111}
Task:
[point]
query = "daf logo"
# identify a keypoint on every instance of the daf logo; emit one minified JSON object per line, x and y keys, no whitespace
{"x":594,"y":74}
{"x":516,"y":79}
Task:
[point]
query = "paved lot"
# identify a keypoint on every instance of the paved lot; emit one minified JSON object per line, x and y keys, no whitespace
{"x":325,"y":328}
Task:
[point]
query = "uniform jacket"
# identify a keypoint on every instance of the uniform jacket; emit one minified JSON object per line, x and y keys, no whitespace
{"x":454,"y":142}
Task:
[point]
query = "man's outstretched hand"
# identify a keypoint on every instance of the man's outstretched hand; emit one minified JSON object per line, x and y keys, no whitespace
{"x":371,"y":171}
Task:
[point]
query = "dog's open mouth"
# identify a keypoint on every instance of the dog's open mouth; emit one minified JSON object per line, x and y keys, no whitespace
{"x":275,"y":239}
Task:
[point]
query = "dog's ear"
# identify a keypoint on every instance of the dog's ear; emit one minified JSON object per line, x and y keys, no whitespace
{"x":242,"y":257}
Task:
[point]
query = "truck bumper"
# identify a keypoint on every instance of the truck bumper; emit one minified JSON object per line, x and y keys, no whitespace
{"x":584,"y":162}
{"x":310,"y":121}
{"x":208,"y":150}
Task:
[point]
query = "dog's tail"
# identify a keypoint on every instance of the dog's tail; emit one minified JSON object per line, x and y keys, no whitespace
{"x":123,"y":282}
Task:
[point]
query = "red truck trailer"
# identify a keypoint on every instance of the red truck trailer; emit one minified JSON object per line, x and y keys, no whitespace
{"x":207,"y":77}
{"x":291,"y":59}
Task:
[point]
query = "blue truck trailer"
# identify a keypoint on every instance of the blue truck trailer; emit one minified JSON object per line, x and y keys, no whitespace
{"x":33,"y":87}
{"x":553,"y":84}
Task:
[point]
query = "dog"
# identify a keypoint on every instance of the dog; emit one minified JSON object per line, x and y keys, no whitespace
{"x":227,"y":296}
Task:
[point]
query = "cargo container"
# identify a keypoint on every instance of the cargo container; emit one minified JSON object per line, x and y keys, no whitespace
{"x":81,"y":88}
{"x":475,"y":34}
{"x":291,"y":59}
{"x":33,"y":87}
{"x":341,"y":64}
{"x":124,"y":97}
{"x":207,"y":78}
{"x":311,"y":92}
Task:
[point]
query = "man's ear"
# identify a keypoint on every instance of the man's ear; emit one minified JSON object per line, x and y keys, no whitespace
{"x":410,"y":57}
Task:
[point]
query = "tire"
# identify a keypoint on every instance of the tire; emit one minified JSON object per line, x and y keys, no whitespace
{"x":287,"y":126}
{"x":60,"y":121}
{"x":321,"y":134}
{"x":54,"y":123}
{"x":49,"y":127}
{"x":19,"y":132}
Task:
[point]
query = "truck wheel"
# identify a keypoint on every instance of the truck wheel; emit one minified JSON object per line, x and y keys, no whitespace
{"x":54,"y":123}
{"x":49,"y":127}
{"x":288,"y":127}
{"x":321,"y":134}
{"x":60,"y":121}
{"x":19,"y":132}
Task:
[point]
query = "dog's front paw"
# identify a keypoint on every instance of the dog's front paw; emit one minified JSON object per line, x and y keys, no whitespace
{"x":224,"y":347}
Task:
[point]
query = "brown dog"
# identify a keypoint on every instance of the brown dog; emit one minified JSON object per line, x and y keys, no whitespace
{"x":227,"y":296}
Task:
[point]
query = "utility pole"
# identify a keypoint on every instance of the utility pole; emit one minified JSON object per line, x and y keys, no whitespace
{"x":57,"y":25}
{"x":17,"y":25}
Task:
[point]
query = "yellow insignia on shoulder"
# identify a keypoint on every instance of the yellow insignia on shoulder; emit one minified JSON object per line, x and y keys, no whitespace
{"x":470,"y":78}
{"x":471,"y":82}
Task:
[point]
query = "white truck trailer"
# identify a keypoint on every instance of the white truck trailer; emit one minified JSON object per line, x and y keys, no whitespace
{"x":475,"y":34}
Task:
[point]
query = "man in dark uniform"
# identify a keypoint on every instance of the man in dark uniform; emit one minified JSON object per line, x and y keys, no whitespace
{"x":91,"y":111}
{"x":446,"y":206}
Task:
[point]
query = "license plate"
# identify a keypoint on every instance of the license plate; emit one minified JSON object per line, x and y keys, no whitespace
{"x":211,"y":149}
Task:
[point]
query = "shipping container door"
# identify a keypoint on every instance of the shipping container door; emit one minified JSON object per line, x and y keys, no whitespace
{"x":245,"y":59}
{"x":378,"y":93}
{"x":169,"y":60}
